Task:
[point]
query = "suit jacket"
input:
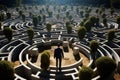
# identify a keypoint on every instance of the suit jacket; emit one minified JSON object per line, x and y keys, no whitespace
{"x":58,"y":53}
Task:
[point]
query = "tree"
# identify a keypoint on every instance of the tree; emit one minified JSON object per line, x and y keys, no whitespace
{"x":81,"y":13}
{"x":88,"y":25}
{"x":8,"y":15}
{"x":23,"y":17}
{"x":81,"y":32}
{"x":20,"y":13}
{"x":93,"y":49}
{"x":105,"y":22}
{"x":35,"y":21}
{"x":8,"y":32}
{"x":94,"y":46}
{"x":48,"y":27}
{"x":30,"y":33}
{"x":93,"y":20}
{"x":112,"y":11}
{"x":2,"y":16}
{"x":85,"y":73}
{"x":6,"y":70}
{"x":69,"y":29}
{"x":118,"y":21}
{"x":105,"y":67}
{"x":44,"y":17}
{"x":111,"y":35}
{"x":45,"y":60}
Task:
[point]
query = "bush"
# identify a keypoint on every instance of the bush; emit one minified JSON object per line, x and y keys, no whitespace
{"x":94,"y":45}
{"x":69,"y":29}
{"x":88,"y":25}
{"x":45,"y":60}
{"x":35,"y":21}
{"x":8,"y":33}
{"x":111,"y":35}
{"x":48,"y":27}
{"x":30,"y":33}
{"x":118,"y":21}
{"x":85,"y":73}
{"x":105,"y":66}
{"x":6,"y":70}
{"x":81,"y":32}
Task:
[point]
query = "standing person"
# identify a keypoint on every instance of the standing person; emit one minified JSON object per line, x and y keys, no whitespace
{"x":58,"y":54}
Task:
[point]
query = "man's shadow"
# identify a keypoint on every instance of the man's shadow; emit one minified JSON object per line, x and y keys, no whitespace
{"x":60,"y":76}
{"x":44,"y":75}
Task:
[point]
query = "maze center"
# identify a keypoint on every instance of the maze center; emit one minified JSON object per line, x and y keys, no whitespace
{"x":67,"y":60}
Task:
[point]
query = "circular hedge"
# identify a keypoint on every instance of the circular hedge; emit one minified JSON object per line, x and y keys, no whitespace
{"x":6,"y":70}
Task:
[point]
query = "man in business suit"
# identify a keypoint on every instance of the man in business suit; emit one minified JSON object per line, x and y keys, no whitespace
{"x":58,"y":55}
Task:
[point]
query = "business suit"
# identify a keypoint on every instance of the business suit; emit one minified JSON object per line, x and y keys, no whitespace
{"x":58,"y":54}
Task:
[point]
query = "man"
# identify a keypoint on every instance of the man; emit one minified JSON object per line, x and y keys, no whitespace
{"x":58,"y":54}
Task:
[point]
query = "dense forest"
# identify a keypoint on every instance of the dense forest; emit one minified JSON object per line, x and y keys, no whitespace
{"x":107,"y":3}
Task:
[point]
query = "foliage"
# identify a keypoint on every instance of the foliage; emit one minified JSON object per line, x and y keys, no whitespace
{"x":105,"y":22}
{"x":8,"y":15}
{"x":8,"y":32}
{"x":2,"y":17}
{"x":105,"y":66}
{"x":45,"y":60}
{"x":6,"y":70}
{"x":69,"y":29}
{"x":23,"y":17}
{"x":94,"y":46}
{"x":81,"y":32}
{"x":85,"y":73}
{"x":20,"y":13}
{"x":48,"y":27}
{"x":30,"y":33}
{"x":81,"y":13}
{"x":44,"y":17}
{"x":118,"y":20}
{"x":88,"y":25}
{"x":111,"y":35}
{"x":35,"y":21}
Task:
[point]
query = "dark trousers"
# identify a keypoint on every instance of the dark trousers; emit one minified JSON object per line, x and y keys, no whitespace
{"x":58,"y":60}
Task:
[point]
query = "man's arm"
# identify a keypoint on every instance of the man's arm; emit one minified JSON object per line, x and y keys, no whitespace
{"x":62,"y":53}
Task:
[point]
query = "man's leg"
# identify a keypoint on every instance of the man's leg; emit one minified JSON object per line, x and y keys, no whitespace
{"x":60,"y":61}
{"x":56,"y":62}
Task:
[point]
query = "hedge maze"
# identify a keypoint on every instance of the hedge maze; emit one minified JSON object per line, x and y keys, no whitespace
{"x":24,"y":51}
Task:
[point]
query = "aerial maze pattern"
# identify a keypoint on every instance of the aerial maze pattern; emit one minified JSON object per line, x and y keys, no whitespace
{"x":17,"y":49}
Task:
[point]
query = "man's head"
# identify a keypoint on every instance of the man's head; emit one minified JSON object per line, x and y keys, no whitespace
{"x":58,"y":44}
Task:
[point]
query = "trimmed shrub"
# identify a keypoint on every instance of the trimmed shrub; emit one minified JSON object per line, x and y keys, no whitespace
{"x":35,"y":21}
{"x":45,"y":60}
{"x":105,"y":22}
{"x":85,"y":73}
{"x":48,"y":27}
{"x":111,"y":35}
{"x":69,"y":29}
{"x":105,"y":66}
{"x":8,"y":32}
{"x":94,"y":45}
{"x":81,"y":32}
{"x":8,"y":15}
{"x":6,"y":70}
{"x":30,"y":33}
{"x":88,"y":25}
{"x":23,"y":17}
{"x":118,"y":20}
